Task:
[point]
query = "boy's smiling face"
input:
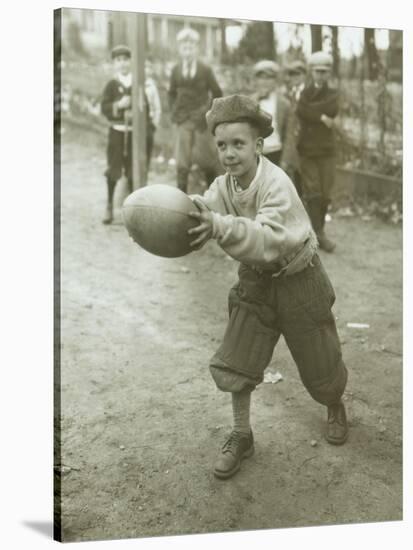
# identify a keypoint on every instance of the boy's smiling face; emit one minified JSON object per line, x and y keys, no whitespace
{"x":122,"y":64}
{"x":238,"y":147}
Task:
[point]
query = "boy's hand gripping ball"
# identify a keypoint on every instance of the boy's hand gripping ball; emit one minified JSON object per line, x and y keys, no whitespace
{"x":157,"y":218}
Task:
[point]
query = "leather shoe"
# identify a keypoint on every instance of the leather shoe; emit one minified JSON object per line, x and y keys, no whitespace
{"x":237,"y":447}
{"x":337,"y":427}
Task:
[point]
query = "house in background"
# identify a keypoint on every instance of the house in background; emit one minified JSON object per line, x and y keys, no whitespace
{"x":100,"y":30}
{"x":85,"y":31}
{"x":162,"y":30}
{"x":95,"y":32}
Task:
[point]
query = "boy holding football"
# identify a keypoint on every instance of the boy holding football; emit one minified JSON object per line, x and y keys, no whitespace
{"x":256,"y":216}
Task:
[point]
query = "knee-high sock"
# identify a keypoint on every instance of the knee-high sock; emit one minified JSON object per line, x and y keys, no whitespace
{"x":241,"y":403}
{"x":111,"y":189}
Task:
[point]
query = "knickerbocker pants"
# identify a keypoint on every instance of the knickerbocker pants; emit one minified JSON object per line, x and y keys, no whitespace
{"x":261,"y":309}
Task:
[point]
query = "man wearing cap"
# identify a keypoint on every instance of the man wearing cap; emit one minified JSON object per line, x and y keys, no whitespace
{"x":266,"y":74}
{"x":116,"y":105}
{"x":316,"y":110}
{"x":192,"y":87}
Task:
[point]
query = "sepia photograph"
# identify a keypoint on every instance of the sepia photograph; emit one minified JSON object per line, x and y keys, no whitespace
{"x":228,"y":282}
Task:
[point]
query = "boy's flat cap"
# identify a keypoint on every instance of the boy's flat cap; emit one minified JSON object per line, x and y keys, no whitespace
{"x":239,"y":108}
{"x":121,"y":49}
{"x":296,"y":67}
{"x":266,"y":67}
{"x":321,"y":60}
{"x":187,"y":35}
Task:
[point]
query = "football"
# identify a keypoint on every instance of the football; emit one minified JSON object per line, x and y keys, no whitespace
{"x":157,"y":219}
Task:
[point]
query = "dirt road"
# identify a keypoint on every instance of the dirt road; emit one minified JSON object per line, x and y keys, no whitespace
{"x":141,"y":418}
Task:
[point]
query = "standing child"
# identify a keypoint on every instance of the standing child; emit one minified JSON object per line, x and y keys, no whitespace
{"x":256,"y":216}
{"x":192,"y":87}
{"x":271,"y":99}
{"x":316,"y":110}
{"x":295,"y":76}
{"x":116,"y":106}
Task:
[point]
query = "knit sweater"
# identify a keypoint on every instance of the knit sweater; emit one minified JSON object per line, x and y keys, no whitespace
{"x":264,"y":225}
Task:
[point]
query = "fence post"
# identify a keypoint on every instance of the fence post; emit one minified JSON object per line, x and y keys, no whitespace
{"x":362,"y":108}
{"x":382,"y":100}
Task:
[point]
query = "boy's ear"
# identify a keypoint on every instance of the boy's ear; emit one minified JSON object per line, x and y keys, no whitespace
{"x":259,"y":145}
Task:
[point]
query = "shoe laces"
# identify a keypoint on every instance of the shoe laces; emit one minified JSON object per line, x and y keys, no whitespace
{"x":334,"y":413}
{"x":232,"y":443}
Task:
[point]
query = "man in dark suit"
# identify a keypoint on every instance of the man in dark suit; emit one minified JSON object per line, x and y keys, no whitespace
{"x":316,"y":110}
{"x":192,"y":88}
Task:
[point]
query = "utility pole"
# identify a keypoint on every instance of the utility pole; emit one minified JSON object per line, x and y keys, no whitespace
{"x":138,"y":47}
{"x":335,"y":51}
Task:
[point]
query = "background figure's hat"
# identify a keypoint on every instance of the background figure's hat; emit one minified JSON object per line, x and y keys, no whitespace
{"x":267,"y":68}
{"x":121,"y":49}
{"x":296,"y":67}
{"x":187,"y":35}
{"x":321,"y":61}
{"x":239,"y":108}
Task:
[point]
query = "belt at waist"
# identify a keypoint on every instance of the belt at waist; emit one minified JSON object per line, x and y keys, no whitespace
{"x":294,"y":262}
{"x":284,"y":272}
{"x":121,"y":127}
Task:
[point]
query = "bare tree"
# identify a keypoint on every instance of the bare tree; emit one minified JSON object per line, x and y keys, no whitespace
{"x":316,"y":38}
{"x":269,"y":32}
{"x":335,"y":51}
{"x":258,"y":42}
{"x":372,"y":56}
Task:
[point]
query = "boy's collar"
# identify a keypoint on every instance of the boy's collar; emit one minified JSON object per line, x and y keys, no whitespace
{"x":192,"y":63}
{"x":237,"y":186}
{"x":125,"y":79}
{"x":271,"y":95}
